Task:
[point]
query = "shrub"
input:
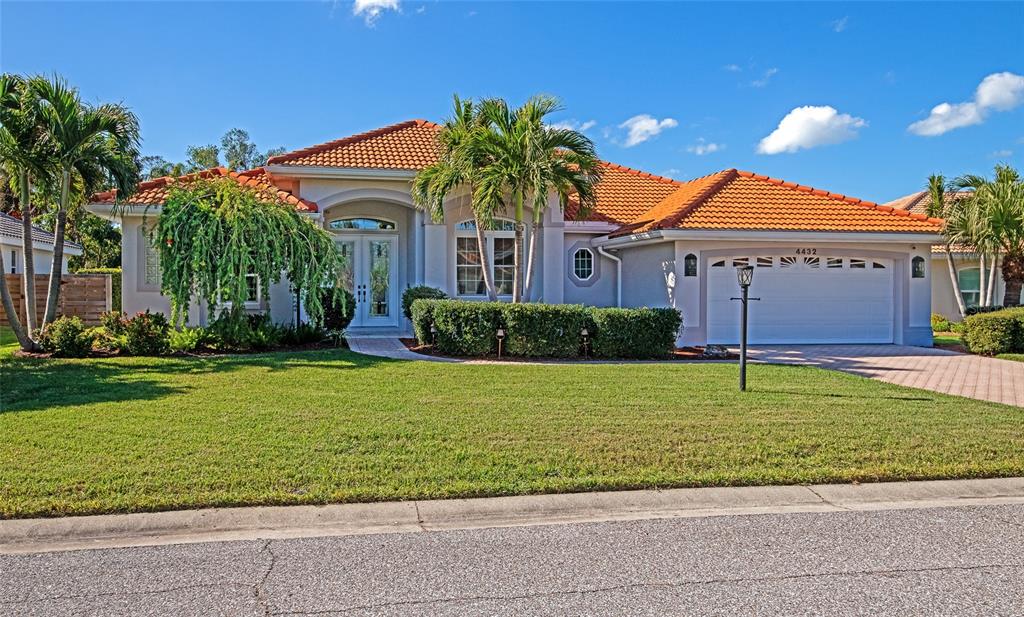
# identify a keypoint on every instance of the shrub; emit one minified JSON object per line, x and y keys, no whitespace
{"x":544,"y":330}
{"x":995,"y":332}
{"x":235,"y":330}
{"x":67,"y":337}
{"x":940,"y":323}
{"x":113,"y":322}
{"x":304,"y":334}
{"x":466,"y":328}
{"x":186,"y":340}
{"x":339,"y":309}
{"x":420,"y":292}
{"x":635,"y":333}
{"x":115,"y":283}
{"x":146,"y":334}
{"x":422,"y":317}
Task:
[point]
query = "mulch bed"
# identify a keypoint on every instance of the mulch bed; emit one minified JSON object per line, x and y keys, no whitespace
{"x":682,"y":353}
{"x":205,"y":353}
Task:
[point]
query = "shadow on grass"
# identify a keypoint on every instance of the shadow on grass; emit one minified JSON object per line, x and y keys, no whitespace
{"x":850,"y":396}
{"x":28,"y":384}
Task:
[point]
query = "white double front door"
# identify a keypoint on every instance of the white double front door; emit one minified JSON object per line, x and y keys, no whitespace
{"x":370,"y":274}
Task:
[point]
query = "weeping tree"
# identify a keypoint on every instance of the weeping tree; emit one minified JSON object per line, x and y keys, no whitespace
{"x":213,"y":234}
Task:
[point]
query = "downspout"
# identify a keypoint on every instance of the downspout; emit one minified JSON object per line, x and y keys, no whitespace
{"x":618,"y":274}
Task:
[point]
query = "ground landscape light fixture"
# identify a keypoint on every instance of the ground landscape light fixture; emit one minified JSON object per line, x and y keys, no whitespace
{"x":433,"y":333}
{"x":586,"y":335}
{"x":745,"y":276}
{"x":501,"y":337}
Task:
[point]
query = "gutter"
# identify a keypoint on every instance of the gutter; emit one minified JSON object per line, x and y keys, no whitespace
{"x":618,"y":274}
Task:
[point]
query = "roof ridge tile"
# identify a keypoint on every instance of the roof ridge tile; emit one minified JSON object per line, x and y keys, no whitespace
{"x":350,"y":139}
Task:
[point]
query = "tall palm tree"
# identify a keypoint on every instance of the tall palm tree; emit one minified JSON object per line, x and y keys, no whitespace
{"x":953,"y":230}
{"x":459,"y":165}
{"x":25,"y":157}
{"x":528,"y":159}
{"x":92,"y":141}
{"x":1004,"y":199}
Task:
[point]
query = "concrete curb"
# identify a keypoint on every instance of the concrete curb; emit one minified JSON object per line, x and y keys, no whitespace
{"x":222,"y":524}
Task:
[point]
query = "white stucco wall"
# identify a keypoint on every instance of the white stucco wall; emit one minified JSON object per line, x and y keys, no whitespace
{"x":42,"y":257}
{"x":648,"y":275}
{"x":599,"y":290}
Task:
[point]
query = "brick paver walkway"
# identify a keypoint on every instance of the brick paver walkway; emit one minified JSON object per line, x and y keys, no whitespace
{"x":988,"y":379}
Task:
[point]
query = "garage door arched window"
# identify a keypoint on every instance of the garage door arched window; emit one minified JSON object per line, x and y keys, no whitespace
{"x":690,"y":265}
{"x":917,"y":267}
{"x":583,"y":264}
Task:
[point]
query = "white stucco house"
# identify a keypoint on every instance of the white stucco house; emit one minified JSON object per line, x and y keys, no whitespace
{"x":11,"y":243}
{"x":973,"y":282}
{"x":829,"y":268}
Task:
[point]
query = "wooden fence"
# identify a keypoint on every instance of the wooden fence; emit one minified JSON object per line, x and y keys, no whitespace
{"x":83,"y":295}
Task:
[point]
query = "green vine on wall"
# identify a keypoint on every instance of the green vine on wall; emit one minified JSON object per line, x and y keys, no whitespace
{"x":213,"y":233}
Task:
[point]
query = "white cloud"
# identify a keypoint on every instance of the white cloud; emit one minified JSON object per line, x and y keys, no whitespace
{"x":703,"y":147}
{"x":1001,"y":154}
{"x":732,"y":68}
{"x":761,"y":83}
{"x":840,"y":24}
{"x":997,"y":92}
{"x":371,"y":10}
{"x":421,"y":10}
{"x":643,"y":127}
{"x":671,"y":173}
{"x":808,"y":127}
{"x":574,"y":125}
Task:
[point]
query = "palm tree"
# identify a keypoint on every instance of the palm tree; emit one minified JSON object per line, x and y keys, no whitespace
{"x":25,"y":157}
{"x":459,"y":166}
{"x":954,"y":229}
{"x":528,"y":159}
{"x":92,"y":141}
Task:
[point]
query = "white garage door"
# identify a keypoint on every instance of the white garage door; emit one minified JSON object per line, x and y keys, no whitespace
{"x":804,"y":299}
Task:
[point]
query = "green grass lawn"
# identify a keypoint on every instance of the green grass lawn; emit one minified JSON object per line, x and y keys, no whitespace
{"x":8,"y":342}
{"x":133,"y":434}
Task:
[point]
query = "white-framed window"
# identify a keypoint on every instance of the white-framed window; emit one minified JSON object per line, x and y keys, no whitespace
{"x":361,"y":223}
{"x":970,"y":285}
{"x":834,"y":262}
{"x":583,"y":263}
{"x":858,"y":264}
{"x":765,"y":262}
{"x":151,"y":275}
{"x":253,"y":293}
{"x":14,"y":261}
{"x":499,"y":243}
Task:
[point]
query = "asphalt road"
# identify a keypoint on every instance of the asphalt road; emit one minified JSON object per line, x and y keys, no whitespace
{"x":940,"y":561}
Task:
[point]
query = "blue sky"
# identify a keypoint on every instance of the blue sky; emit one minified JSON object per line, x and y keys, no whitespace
{"x":680,"y":89}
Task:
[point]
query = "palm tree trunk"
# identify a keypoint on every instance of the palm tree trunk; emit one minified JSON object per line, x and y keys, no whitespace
{"x":956,"y":282}
{"x":12,"y":312}
{"x":57,"y":266}
{"x":485,"y":263}
{"x":27,"y":252}
{"x":532,"y":260}
{"x":517,"y":272}
{"x":982,"y":277}
{"x":1013,"y":276}
{"x":990,"y":293}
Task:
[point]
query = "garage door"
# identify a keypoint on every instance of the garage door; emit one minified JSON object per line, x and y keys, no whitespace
{"x":804,"y":299}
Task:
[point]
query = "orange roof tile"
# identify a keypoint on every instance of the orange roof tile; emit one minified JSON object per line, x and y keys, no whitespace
{"x":408,"y":145}
{"x":624,"y":193}
{"x":920,"y":201}
{"x":154,"y":192}
{"x":741,"y":200}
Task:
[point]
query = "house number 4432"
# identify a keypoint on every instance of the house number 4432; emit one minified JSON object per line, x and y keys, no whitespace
{"x":807,"y":251}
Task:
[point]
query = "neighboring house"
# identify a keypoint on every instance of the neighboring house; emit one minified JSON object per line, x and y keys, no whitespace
{"x":968,"y":264}
{"x":829,"y":268}
{"x":42,"y":247}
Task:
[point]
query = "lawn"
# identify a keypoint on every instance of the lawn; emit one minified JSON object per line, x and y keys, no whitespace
{"x":134,"y":434}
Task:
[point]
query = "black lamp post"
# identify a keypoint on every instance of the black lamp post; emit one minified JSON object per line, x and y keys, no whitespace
{"x":745,"y":276}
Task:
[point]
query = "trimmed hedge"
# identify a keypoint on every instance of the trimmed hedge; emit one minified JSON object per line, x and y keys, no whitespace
{"x":635,"y":333}
{"x":995,"y":332}
{"x":545,"y":330}
{"x":115,"y":284}
{"x":419,"y":292}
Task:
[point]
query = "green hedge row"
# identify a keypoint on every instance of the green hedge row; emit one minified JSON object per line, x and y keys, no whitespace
{"x":545,"y":330}
{"x":115,"y":284}
{"x":995,"y":333}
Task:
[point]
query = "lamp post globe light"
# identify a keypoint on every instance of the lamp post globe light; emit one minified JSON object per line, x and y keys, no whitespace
{"x":744,"y":276}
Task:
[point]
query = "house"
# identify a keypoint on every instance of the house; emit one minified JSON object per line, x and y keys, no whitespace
{"x":967,"y":260}
{"x":828,"y":268}
{"x":11,"y":243}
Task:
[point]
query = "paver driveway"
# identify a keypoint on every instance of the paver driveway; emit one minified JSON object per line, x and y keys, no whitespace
{"x":939,"y":370}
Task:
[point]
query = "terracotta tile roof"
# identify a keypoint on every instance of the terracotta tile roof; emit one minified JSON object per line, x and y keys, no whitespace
{"x":741,"y":200}
{"x":919,"y":202}
{"x":624,"y":193}
{"x":154,"y":192}
{"x":408,"y":145}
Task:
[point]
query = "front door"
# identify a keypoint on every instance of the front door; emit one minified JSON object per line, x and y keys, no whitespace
{"x":369,"y":274}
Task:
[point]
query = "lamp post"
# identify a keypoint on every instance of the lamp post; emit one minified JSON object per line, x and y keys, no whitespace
{"x":745,"y":276}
